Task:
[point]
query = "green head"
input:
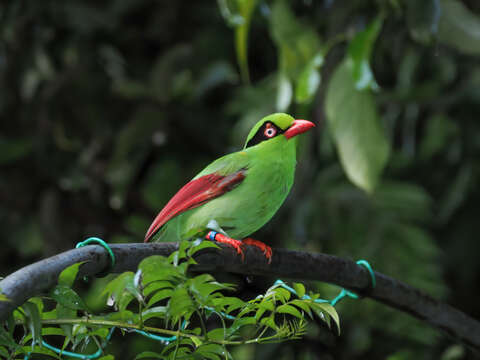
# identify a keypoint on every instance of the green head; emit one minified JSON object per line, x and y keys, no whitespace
{"x":278,"y":126}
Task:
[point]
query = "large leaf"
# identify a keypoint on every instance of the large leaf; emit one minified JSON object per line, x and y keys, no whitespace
{"x":67,"y":297}
{"x":34,"y":321}
{"x":359,"y":52}
{"x":284,"y":92}
{"x":65,"y":313}
{"x":245,"y":9}
{"x":289,"y":309}
{"x":116,"y":290}
{"x":459,"y":27}
{"x":180,"y":304}
{"x":309,"y":80}
{"x":69,"y":274}
{"x":354,"y":124}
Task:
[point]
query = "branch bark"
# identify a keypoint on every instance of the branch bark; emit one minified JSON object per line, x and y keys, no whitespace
{"x":41,"y":276}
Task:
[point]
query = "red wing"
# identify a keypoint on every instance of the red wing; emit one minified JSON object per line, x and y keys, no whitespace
{"x":194,"y":194}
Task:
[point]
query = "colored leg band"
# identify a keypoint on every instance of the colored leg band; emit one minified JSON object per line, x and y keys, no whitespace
{"x":212,"y":235}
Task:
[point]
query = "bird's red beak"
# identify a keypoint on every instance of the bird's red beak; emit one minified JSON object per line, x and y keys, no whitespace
{"x":298,"y":127}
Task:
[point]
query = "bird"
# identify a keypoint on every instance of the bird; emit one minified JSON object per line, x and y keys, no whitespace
{"x":238,"y":193}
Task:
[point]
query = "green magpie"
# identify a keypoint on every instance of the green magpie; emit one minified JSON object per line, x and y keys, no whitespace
{"x":238,"y":193}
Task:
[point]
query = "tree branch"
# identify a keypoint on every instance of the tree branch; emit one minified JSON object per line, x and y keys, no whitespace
{"x":42,"y":276}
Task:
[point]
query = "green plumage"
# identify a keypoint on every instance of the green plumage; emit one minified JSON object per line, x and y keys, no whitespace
{"x":269,"y":175}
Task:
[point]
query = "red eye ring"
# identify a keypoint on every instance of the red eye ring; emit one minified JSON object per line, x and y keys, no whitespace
{"x":270,"y":131}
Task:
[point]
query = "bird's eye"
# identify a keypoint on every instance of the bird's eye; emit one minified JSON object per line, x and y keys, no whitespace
{"x":270,"y":131}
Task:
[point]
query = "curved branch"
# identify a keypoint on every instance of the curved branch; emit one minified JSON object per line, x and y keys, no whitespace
{"x":42,"y":276}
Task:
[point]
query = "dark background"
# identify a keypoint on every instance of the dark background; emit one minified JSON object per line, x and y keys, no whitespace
{"x":107,"y":108}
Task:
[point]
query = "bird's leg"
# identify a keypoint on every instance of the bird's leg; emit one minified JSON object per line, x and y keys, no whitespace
{"x":213,"y":225}
{"x":216,"y":236}
{"x":267,"y":250}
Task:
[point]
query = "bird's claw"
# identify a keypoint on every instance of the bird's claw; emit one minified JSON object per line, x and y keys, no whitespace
{"x":267,"y":250}
{"x":237,"y":244}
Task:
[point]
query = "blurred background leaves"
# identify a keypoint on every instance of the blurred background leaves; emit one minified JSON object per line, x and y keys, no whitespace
{"x":108,"y":108}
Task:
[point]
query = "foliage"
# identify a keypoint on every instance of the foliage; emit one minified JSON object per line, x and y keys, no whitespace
{"x":108,"y":108}
{"x":190,"y":311}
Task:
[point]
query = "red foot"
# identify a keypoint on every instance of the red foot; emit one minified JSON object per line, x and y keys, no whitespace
{"x":237,"y":244}
{"x":267,"y":250}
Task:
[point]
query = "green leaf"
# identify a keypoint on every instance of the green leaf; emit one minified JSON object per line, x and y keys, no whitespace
{"x":196,"y":341}
{"x":116,"y":289}
{"x":309,"y":80}
{"x":102,"y":332}
{"x":200,"y":245}
{"x":68,"y":275}
{"x":245,"y":10}
{"x":422,"y":19}
{"x":228,"y":303}
{"x":359,"y":52}
{"x":299,"y":289}
{"x":34,"y":321}
{"x":217,"y":334}
{"x":267,"y":305}
{"x":298,"y":43}
{"x":270,"y":322}
{"x":67,"y":297}
{"x":281,"y":294}
{"x":154,"y":286}
{"x":211,"y":351}
{"x":204,"y":286}
{"x":304,"y":305}
{"x":125,"y":315}
{"x":159,"y":296}
{"x":107,"y":357}
{"x":66,"y":313}
{"x":135,"y":287}
{"x":4,"y":298}
{"x":155,"y":312}
{"x":459,"y":27}
{"x":330,"y":310}
{"x":284,"y":93}
{"x":289,"y":309}
{"x":180,"y":303}
{"x":354,"y":125}
{"x":39,"y":302}
{"x":259,"y":313}
{"x":238,"y":323}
